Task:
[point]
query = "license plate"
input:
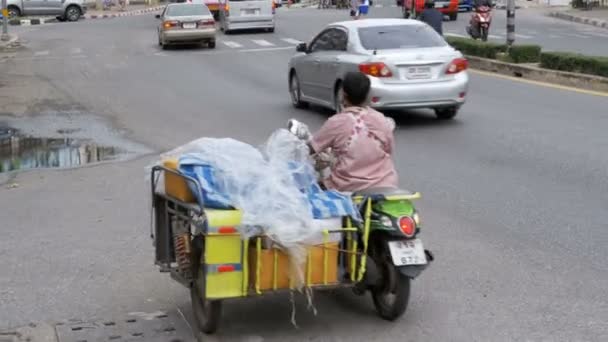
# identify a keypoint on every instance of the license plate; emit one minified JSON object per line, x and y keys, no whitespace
{"x":407,"y":252}
{"x":416,"y":73}
{"x":189,"y":25}
{"x":250,"y":12}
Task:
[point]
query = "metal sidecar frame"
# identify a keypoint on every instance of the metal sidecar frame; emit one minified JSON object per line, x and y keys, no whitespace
{"x":203,"y":249}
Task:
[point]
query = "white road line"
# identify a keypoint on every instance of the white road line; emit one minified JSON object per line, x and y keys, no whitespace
{"x":578,"y":35}
{"x":554,"y":36}
{"x":232,"y":44}
{"x":597,"y":34}
{"x":455,"y":35}
{"x":291,"y":41}
{"x":493,"y":36}
{"x":262,"y":42}
{"x":76,"y":51}
{"x":523,"y":36}
{"x":267,"y":49}
{"x":41,"y":53}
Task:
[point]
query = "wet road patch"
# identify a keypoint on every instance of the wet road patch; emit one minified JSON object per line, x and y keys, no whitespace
{"x":62,"y":141}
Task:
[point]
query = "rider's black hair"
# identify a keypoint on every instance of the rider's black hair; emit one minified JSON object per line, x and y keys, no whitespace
{"x":356,"y":88}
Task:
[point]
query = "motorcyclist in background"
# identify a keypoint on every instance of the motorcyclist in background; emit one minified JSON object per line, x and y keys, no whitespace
{"x":432,"y":16}
{"x":361,"y":140}
{"x":477,"y":4}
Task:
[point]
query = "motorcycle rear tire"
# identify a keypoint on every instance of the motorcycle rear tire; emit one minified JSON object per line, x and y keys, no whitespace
{"x":483,"y":33}
{"x":396,"y":284}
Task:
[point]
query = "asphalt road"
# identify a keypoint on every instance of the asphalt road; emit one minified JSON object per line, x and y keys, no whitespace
{"x":514,"y":204}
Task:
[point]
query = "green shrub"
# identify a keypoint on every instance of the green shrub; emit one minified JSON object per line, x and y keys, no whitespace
{"x":476,"y":48}
{"x":564,"y":61}
{"x":525,"y":53}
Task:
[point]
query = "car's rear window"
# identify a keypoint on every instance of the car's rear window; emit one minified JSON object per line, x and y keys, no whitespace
{"x":187,"y":10}
{"x":399,"y":37}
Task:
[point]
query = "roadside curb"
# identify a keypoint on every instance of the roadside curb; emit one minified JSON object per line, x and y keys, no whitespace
{"x":125,"y":14}
{"x":535,"y":73}
{"x":580,"y":19}
{"x":34,"y":21}
{"x":42,"y":21}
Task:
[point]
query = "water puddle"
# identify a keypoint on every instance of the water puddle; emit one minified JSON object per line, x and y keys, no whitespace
{"x":61,"y":141}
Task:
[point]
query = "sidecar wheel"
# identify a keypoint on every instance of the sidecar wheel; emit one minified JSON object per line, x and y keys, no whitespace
{"x":207,"y":313}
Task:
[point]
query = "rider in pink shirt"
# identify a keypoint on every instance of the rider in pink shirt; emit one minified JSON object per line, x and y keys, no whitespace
{"x":361,"y":140}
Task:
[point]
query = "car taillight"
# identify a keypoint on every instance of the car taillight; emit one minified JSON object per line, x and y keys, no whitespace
{"x":170,"y":24}
{"x":457,"y":65}
{"x":375,"y":69}
{"x":206,"y":23}
{"x":407,"y":226}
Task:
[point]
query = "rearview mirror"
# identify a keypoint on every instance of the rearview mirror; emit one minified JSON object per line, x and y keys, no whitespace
{"x":157,"y":16}
{"x":301,"y":47}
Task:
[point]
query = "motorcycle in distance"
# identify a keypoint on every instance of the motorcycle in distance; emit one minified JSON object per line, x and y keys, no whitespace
{"x":479,"y":25}
{"x":395,"y":253}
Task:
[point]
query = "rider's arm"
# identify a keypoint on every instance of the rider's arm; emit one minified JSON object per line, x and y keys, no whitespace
{"x":326,"y":136}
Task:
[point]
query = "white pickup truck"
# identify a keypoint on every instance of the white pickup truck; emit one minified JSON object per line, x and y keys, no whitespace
{"x":70,"y":10}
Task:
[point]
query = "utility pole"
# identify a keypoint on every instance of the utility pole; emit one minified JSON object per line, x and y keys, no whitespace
{"x":4,"y":36}
{"x":510,"y":22}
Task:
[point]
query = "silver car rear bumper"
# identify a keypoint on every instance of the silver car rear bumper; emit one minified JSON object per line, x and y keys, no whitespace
{"x":176,"y":36}
{"x":419,"y":95}
{"x":250,"y":24}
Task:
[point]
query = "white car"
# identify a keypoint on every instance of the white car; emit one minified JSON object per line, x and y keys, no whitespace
{"x":408,"y":63}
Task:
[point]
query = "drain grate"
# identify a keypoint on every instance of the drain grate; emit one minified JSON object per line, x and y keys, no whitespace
{"x":156,"y":327}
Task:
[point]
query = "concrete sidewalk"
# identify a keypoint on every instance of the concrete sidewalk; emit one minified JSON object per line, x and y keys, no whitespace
{"x":136,"y":7}
{"x":595,"y":17}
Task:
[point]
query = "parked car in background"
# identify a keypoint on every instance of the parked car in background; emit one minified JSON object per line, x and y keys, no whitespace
{"x":70,"y":10}
{"x":413,"y":8}
{"x":465,"y":5}
{"x":185,"y":23}
{"x":408,"y":63}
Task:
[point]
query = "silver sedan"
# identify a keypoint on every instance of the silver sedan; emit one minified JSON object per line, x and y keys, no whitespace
{"x":186,"y":23}
{"x":408,"y":63}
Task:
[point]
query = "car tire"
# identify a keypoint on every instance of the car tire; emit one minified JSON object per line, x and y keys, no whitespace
{"x":295,"y":92}
{"x":447,"y":113}
{"x":271,"y":30}
{"x":73,"y":13}
{"x":338,"y":97}
{"x":454,"y":16}
{"x":211,"y":44}
{"x":13,"y":12}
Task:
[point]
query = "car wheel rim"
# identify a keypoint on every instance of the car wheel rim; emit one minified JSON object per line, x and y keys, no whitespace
{"x":295,"y":90}
{"x":73,"y":14}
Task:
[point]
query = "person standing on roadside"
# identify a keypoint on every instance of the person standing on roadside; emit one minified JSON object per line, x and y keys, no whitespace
{"x":354,"y":7}
{"x":363,"y":8}
{"x":432,"y":17}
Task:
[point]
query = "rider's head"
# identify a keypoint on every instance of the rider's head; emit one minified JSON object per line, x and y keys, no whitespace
{"x":429,"y":3}
{"x":356,"y":88}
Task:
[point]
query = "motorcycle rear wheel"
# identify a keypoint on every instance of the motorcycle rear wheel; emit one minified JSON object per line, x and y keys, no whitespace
{"x":392,"y":297}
